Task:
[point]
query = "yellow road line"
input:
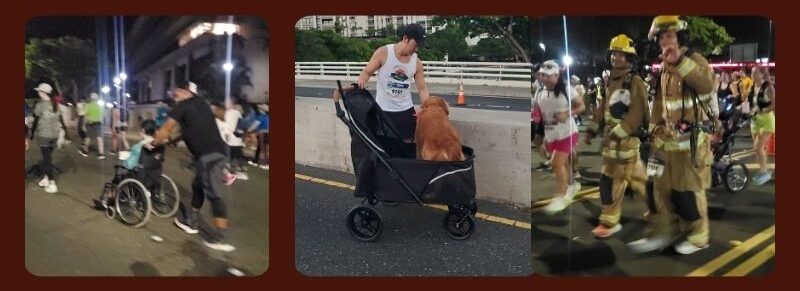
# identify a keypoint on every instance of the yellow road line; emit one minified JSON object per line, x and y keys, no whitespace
{"x":752,"y":263}
{"x":580,"y":194}
{"x":715,"y":264}
{"x":484,"y":216}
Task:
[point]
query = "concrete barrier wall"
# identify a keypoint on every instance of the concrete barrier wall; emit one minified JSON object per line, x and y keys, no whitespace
{"x":501,"y":140}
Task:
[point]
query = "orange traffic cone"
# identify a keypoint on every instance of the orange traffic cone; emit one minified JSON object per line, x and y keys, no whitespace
{"x":461,"y":101}
{"x":771,"y":145}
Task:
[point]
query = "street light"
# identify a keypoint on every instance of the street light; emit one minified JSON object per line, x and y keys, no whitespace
{"x":105,"y":89}
{"x":541,"y":45}
{"x":228,"y":66}
{"x":567,"y":60}
{"x":123,"y":76}
{"x":765,"y":60}
{"x":117,"y":81}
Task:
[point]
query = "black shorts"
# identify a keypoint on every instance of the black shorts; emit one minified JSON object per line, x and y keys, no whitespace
{"x":539,"y":130}
{"x":119,"y":129}
{"x":405,"y":122}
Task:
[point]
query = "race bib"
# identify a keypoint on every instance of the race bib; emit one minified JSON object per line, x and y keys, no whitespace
{"x":655,"y":168}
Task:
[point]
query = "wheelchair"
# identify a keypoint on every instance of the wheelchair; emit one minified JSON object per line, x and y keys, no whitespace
{"x":134,"y":195}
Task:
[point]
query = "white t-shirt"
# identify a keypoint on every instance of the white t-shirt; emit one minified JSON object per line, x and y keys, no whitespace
{"x":81,"y":108}
{"x":552,"y":106}
{"x":224,"y":132}
{"x":394,"y":82}
{"x":232,"y":117}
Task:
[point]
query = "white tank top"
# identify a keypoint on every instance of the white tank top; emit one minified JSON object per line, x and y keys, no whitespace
{"x":552,"y":106}
{"x":394,"y":82}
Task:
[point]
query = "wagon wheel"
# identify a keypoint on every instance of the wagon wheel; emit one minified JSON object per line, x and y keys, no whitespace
{"x":459,"y":225}
{"x":364,"y":223}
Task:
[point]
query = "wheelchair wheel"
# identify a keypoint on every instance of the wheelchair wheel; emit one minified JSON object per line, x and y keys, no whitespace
{"x":166,"y":200}
{"x":133,"y":202}
{"x":736,"y":177}
{"x":459,"y":224}
{"x":364,"y":223}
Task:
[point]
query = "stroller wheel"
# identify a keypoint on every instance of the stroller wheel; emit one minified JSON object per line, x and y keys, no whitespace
{"x":390,"y":203}
{"x":736,"y":177}
{"x":364,"y":223}
{"x":459,"y":225}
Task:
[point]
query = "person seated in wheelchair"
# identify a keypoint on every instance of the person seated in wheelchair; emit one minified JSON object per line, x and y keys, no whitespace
{"x":144,"y":163}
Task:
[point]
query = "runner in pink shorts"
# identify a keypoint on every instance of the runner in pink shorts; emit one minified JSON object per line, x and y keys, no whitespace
{"x":558,"y":104}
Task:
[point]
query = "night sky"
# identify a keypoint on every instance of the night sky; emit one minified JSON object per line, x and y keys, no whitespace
{"x":593,"y":33}
{"x":57,"y":26}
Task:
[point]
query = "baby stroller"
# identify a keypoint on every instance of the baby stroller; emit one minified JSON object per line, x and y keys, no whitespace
{"x":387,"y":171}
{"x":734,"y":175}
{"x":134,"y":194}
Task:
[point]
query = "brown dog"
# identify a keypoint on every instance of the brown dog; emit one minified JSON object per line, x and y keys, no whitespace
{"x":436,"y":138}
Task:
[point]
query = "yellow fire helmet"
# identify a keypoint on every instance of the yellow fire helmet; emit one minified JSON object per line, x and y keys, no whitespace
{"x":622,"y":43}
{"x":665,"y":23}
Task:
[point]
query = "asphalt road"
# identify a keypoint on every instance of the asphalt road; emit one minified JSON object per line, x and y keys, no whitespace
{"x":65,"y":236}
{"x":413,"y":243}
{"x":740,"y":225}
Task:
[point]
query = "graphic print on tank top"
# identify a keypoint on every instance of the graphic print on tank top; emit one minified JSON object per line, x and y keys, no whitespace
{"x":398,"y":83}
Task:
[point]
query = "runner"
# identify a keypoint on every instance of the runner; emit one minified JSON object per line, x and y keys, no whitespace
{"x":48,"y":121}
{"x":561,"y":133}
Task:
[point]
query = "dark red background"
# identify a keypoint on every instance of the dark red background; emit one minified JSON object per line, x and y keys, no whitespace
{"x":281,"y":17}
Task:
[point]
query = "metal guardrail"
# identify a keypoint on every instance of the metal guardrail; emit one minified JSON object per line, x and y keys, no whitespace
{"x":478,"y":71}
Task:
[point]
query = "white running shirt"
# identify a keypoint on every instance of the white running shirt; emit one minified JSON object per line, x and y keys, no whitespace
{"x":394,"y":82}
{"x":551,"y":106}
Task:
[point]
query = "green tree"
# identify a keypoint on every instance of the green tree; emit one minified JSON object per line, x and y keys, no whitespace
{"x":515,"y":30}
{"x":449,"y":41}
{"x":311,"y":47}
{"x":371,"y":32}
{"x":707,"y":36}
{"x":69,"y":62}
{"x":337,"y":26}
{"x":493,"y":49}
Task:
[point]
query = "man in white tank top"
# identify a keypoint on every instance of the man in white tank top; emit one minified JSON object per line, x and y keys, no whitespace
{"x":397,"y":66}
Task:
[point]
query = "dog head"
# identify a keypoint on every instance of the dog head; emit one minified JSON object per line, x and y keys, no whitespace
{"x":434,"y":102}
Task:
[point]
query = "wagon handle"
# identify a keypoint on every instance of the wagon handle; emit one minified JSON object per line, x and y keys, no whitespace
{"x":339,"y":112}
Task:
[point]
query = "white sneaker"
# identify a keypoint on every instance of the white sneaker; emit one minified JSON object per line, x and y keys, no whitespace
{"x":51,"y":188}
{"x":264,"y":167}
{"x":687,"y":248}
{"x":572,"y":190}
{"x":219,"y":245}
{"x":44,"y":182}
{"x":646,"y":245}
{"x":252,"y":163}
{"x":556,"y":205}
{"x":242,"y":176}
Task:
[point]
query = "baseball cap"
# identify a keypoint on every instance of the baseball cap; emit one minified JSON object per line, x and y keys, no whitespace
{"x":550,"y":68}
{"x":189,"y":86}
{"x":417,"y":33}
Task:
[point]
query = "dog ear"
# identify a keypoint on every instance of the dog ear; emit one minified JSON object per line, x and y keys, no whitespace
{"x":444,"y":105}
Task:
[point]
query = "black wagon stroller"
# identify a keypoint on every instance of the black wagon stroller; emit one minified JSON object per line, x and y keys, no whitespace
{"x":726,"y":171}
{"x":388,"y":172}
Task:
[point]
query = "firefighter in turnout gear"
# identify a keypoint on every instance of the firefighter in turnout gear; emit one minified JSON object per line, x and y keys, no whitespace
{"x":622,"y":118}
{"x":681,"y":155}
